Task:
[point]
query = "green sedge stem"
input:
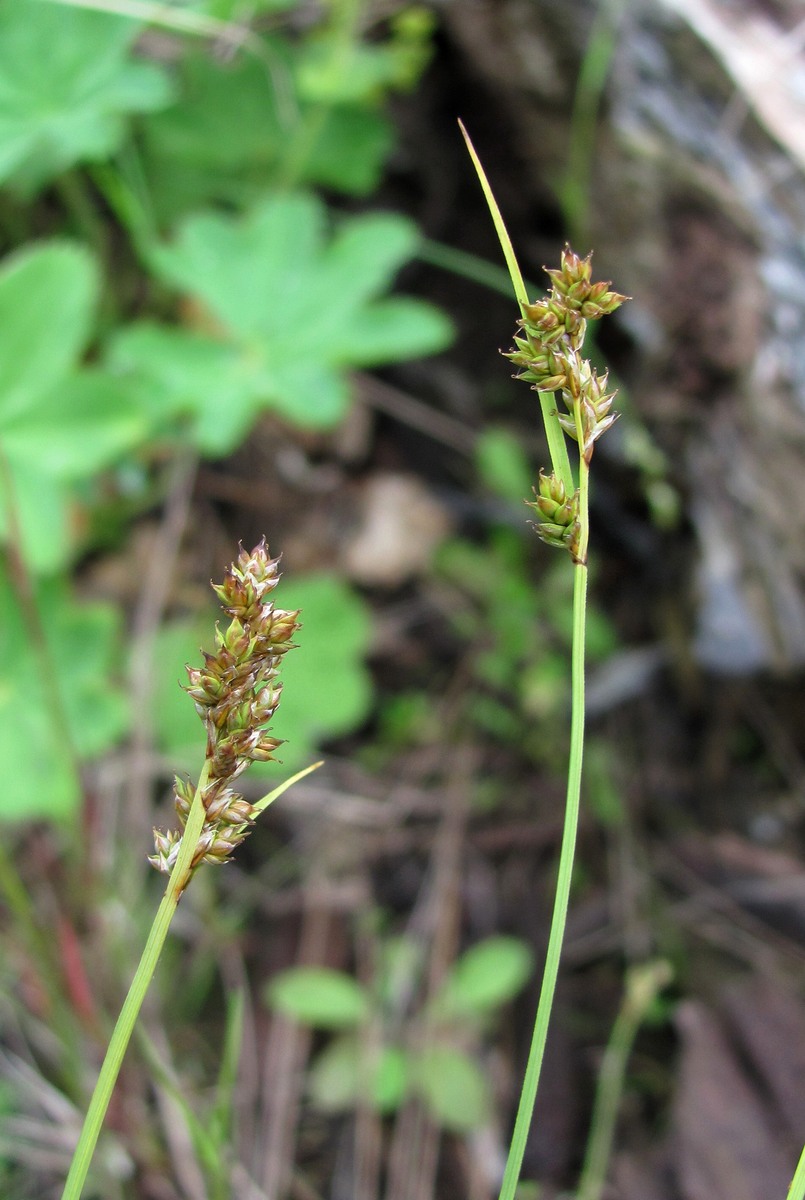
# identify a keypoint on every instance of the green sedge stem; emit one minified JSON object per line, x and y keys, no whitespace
{"x":121,"y":1036}
{"x":557,"y":443}
{"x":797,"y":1189}
{"x":566,"y":856}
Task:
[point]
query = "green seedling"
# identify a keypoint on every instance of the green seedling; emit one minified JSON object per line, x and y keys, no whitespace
{"x":370,"y":1060}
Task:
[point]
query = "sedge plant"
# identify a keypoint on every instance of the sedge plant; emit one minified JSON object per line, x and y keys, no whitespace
{"x":549,"y":356}
{"x":236,"y":693}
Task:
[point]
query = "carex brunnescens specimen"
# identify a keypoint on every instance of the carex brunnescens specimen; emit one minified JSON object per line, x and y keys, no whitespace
{"x":549,"y":354}
{"x":576,"y":406}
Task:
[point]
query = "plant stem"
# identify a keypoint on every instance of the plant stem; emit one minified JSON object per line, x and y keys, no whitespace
{"x":643,"y":984}
{"x":121,"y":1035}
{"x":566,"y":856}
{"x":575,"y":191}
{"x":557,"y":444}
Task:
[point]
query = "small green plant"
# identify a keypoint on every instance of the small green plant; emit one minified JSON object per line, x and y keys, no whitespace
{"x":548,"y":353}
{"x":236,"y":694}
{"x":371,"y":1060}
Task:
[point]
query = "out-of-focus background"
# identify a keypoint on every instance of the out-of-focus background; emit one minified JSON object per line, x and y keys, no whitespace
{"x":250,"y":287}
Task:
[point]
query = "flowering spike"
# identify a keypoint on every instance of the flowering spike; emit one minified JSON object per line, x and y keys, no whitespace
{"x":235,"y":694}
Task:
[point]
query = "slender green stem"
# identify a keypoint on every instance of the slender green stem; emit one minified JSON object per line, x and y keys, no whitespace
{"x":643,"y":985}
{"x":797,"y":1189}
{"x":169,"y":16}
{"x":557,"y":443}
{"x":121,"y":1034}
{"x":567,"y":854}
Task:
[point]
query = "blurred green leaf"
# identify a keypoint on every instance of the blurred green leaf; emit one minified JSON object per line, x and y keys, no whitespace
{"x":68,"y":84}
{"x":484,"y":977}
{"x":236,"y":125}
{"x":340,"y":1077}
{"x":48,"y":294}
{"x":83,"y":644}
{"x":330,"y":73}
{"x":318,"y":996}
{"x":294,"y":310}
{"x":58,"y":423}
{"x":453,"y":1088}
{"x":503,"y":464}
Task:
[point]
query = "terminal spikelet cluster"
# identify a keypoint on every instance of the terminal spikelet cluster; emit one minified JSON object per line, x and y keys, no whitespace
{"x":548,"y":353}
{"x":236,"y":693}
